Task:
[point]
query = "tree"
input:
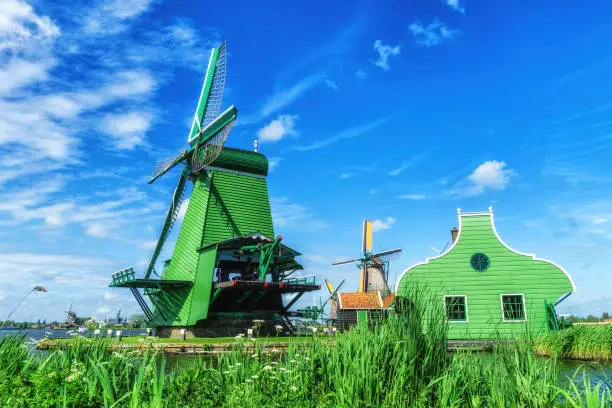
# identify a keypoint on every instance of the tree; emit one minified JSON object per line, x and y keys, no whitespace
{"x":605,"y":315}
{"x":137,"y":320}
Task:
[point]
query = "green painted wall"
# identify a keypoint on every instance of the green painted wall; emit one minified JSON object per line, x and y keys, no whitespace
{"x":509,"y":272}
{"x":223,"y":204}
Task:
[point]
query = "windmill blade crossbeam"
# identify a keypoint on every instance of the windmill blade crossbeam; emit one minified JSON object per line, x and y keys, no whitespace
{"x":386,"y":254}
{"x":348,"y":261}
{"x":215,"y":97}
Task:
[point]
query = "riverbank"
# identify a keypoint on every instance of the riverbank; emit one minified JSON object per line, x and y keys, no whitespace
{"x":581,"y":342}
{"x":399,"y":364}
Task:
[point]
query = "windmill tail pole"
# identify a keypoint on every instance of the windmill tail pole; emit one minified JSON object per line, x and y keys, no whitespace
{"x":16,"y":306}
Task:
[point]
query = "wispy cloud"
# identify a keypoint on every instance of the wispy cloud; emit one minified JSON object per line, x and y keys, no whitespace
{"x":283,"y":98}
{"x":490,"y":175}
{"x":345,"y":134}
{"x":288,"y":215}
{"x":361,"y":74}
{"x":384,"y":52}
{"x":406,"y":164}
{"x":413,"y":196}
{"x":273,"y":163}
{"x":352,"y":171}
{"x":127,"y":130}
{"x":432,"y":34}
{"x":381,"y":225}
{"x":331,"y":84}
{"x":454,"y":4}
{"x":279,"y":128}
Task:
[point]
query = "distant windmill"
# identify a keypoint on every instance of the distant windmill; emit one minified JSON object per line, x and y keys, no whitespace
{"x":70,"y":317}
{"x":37,"y":288}
{"x":372,"y":265}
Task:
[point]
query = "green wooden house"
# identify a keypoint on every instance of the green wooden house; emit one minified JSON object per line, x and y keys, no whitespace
{"x":487,"y":289}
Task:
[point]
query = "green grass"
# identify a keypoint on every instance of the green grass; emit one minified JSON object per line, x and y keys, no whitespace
{"x":584,"y":342}
{"x":402,"y":363}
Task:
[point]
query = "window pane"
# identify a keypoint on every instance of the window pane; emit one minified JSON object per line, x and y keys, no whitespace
{"x":513,"y":307}
{"x":455,"y":308}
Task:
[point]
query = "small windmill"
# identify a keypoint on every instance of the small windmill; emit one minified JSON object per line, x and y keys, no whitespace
{"x":70,"y":317}
{"x":373,"y":276}
{"x":315,"y":312}
{"x":333,"y":295}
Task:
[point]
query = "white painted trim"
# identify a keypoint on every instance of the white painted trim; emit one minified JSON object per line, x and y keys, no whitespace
{"x":533,"y":256}
{"x":501,"y":300}
{"x":467,"y":316}
{"x":490,"y":214}
{"x":340,"y":299}
{"x":379,"y":299}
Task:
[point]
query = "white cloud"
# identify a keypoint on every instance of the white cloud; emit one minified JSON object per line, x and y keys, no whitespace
{"x":432,"y":34}
{"x":127,"y":130}
{"x":287,"y":215}
{"x":110,"y":295}
{"x":283,"y":126}
{"x":97,"y":231}
{"x":149,"y":244}
{"x":331,"y":84}
{"x":345,"y":134}
{"x":454,"y":4}
{"x":600,"y":220}
{"x":436,"y":250}
{"x":413,"y":196}
{"x":20,"y":26}
{"x":492,"y":174}
{"x":103,"y":310}
{"x":373,"y":191}
{"x":113,"y":16}
{"x":361,"y":74}
{"x":273,"y":163}
{"x":380,"y":225}
{"x":384,"y":52}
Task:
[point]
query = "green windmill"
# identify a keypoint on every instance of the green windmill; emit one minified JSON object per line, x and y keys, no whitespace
{"x":227,"y":267}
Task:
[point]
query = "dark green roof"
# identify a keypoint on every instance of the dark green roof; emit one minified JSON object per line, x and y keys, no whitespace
{"x":242,"y":160}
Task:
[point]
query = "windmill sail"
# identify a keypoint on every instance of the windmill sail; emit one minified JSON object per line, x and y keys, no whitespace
{"x":171,"y":217}
{"x":211,"y":97}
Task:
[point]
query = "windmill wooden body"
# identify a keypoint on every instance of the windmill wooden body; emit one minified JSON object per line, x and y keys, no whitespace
{"x":373,"y":296}
{"x":227,"y":268}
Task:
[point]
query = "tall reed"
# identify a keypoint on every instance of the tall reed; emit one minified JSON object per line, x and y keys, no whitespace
{"x":401,"y":363}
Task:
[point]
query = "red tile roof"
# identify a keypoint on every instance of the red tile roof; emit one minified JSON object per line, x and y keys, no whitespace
{"x":360,"y":300}
{"x":387,"y":300}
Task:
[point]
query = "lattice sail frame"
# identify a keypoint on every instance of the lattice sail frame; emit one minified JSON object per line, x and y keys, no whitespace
{"x":205,"y":155}
{"x":215,"y":96}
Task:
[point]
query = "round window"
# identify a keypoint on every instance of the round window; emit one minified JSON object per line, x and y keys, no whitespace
{"x":480,"y":262}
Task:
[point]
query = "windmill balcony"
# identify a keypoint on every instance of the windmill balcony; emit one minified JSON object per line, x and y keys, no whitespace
{"x":122,"y":276}
{"x":301,"y":280}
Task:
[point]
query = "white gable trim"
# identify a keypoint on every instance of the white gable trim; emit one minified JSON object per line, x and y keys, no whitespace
{"x":490,"y":214}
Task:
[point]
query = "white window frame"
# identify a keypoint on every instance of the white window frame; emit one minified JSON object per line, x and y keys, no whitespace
{"x":467,"y":316}
{"x":501,"y":301}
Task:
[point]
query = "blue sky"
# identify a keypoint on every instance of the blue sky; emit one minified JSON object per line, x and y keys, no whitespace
{"x":395,"y":111}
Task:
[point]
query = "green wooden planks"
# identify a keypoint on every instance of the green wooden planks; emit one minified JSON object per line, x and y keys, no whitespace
{"x":509,"y":272}
{"x":238,"y":205}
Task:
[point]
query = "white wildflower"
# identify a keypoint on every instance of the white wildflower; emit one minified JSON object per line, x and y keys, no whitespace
{"x":267,"y":368}
{"x":238,"y":364}
{"x":254,"y":376}
{"x":293,"y":388}
{"x":307,"y":358}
